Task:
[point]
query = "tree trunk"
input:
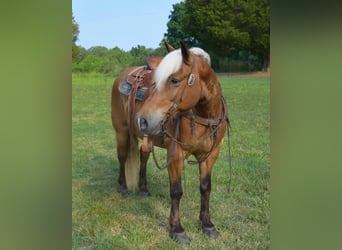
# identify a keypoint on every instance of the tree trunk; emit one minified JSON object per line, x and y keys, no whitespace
{"x":266,"y":62}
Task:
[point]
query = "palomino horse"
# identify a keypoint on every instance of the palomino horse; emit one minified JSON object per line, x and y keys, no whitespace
{"x":183,"y":112}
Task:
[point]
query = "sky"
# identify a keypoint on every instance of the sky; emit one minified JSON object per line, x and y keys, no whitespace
{"x":121,"y":23}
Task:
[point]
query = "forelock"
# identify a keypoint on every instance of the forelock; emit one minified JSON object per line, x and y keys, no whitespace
{"x":172,"y":62}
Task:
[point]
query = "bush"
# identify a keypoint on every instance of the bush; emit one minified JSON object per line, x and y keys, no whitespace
{"x":238,"y":61}
{"x":112,"y":61}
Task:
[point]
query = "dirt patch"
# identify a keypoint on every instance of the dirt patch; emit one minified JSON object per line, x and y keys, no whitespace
{"x":246,"y":74}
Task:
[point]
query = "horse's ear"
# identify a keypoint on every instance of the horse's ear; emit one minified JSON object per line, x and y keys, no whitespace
{"x":168,"y":46}
{"x":185,"y":51}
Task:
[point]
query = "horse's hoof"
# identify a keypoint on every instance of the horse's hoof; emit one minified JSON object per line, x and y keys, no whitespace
{"x":123,"y":191}
{"x":211,"y":232}
{"x":144,"y":194}
{"x":181,"y":238}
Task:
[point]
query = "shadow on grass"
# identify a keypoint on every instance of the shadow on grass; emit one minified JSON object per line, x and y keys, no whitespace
{"x":102,"y":183}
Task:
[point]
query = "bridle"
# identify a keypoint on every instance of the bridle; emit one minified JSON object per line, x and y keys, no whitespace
{"x":213,"y":123}
{"x":190,"y":82}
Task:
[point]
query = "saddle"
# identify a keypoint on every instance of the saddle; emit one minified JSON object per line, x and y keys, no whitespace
{"x":138,"y":82}
{"x":136,"y":86}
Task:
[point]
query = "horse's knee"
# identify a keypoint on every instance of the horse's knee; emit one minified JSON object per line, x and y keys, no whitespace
{"x":176,"y":191}
{"x":205,"y":185}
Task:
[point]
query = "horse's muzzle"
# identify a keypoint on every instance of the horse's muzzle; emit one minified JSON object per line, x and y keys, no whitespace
{"x":142,"y":124}
{"x":148,"y":125}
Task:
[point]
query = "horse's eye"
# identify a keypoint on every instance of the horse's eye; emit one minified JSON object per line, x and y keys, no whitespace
{"x":174,"y":81}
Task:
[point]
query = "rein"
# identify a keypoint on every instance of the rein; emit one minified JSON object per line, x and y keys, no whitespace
{"x":176,"y":141}
{"x":213,"y":123}
{"x":229,"y":157}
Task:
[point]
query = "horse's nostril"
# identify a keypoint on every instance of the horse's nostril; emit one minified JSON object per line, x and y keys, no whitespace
{"x":142,"y":124}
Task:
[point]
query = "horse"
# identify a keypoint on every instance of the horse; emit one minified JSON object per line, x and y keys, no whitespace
{"x":183,"y":112}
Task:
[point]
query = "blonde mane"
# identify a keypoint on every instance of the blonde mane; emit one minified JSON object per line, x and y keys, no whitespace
{"x":172,"y":62}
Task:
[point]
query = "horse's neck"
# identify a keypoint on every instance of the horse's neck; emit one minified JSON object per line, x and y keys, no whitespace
{"x":210,"y":105}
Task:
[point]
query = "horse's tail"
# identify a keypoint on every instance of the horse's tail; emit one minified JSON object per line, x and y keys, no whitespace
{"x":132,"y":165}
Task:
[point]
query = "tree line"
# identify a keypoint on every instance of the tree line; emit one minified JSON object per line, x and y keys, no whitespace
{"x":234,"y":32}
{"x":112,"y":61}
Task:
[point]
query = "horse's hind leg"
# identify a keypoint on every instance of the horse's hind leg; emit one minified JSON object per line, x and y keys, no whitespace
{"x":142,"y":176}
{"x":122,"y":152}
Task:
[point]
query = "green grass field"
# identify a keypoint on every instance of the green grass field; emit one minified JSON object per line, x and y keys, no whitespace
{"x":102,"y":219}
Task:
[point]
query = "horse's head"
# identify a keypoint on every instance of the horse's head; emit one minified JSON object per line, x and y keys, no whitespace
{"x":179,"y":80}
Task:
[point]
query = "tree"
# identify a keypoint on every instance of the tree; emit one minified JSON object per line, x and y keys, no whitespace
{"x":226,"y":26}
{"x":176,"y":28}
{"x":75,"y":32}
{"x":260,"y":29}
{"x":99,"y":51}
{"x":140,"y":54}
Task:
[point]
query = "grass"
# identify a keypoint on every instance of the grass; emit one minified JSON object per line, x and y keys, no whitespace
{"x":102,"y":219}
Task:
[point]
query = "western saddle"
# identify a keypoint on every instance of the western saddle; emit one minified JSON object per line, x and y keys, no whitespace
{"x":136,"y":86}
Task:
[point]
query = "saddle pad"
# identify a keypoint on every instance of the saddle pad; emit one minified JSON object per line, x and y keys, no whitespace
{"x":125,"y":88}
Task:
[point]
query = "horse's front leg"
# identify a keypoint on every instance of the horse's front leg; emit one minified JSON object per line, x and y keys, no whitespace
{"x":175,"y":170}
{"x":205,"y":189}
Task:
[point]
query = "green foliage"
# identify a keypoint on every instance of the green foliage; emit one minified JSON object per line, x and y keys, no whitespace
{"x":235,"y":33}
{"x":90,"y":63}
{"x":238,"y":61}
{"x":75,"y":32}
{"x":175,"y":27}
{"x":223,"y":25}
{"x":99,"y":59}
{"x":75,"y":50}
{"x":140,"y":54}
{"x":222,"y":28}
